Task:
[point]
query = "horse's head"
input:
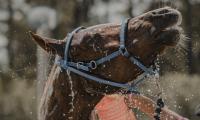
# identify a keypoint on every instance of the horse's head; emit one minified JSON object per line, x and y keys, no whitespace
{"x":152,"y":32}
{"x":148,"y":35}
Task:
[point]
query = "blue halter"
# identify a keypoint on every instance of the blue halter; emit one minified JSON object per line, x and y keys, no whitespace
{"x":81,"y":68}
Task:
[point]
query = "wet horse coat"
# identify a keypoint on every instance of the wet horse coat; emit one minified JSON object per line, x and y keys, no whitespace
{"x":68,"y":96}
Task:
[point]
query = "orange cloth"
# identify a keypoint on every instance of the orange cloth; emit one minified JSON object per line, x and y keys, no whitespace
{"x":113,"y":107}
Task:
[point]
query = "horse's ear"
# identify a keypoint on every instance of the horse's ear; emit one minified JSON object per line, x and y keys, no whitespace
{"x":50,"y":45}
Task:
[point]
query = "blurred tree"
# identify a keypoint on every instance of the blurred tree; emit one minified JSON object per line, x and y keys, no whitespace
{"x":130,"y":8}
{"x":73,"y":13}
{"x":10,"y":33}
{"x":195,"y":18}
{"x":188,"y":25}
{"x":43,"y":19}
{"x":81,"y":11}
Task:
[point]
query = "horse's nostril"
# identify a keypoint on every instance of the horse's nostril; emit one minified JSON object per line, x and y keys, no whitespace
{"x":163,"y":11}
{"x":170,"y":37}
{"x":154,"y":13}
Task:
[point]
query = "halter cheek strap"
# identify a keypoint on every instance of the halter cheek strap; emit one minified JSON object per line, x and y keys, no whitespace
{"x":82,"y":68}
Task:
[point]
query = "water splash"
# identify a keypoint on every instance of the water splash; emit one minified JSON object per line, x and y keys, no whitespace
{"x":157,"y":78}
{"x":72,"y":94}
{"x":154,"y":81}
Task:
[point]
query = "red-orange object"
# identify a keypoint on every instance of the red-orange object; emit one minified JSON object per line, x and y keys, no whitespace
{"x":113,"y":107}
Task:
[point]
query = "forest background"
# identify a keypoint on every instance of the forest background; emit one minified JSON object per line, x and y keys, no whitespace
{"x":24,"y":67}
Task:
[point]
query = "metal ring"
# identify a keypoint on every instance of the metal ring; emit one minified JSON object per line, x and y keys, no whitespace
{"x":93,"y":64}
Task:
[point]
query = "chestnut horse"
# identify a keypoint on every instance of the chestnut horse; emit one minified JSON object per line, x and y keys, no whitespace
{"x":70,"y":96}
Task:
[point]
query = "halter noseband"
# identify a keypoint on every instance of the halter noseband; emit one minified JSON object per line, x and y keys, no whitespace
{"x":81,"y":68}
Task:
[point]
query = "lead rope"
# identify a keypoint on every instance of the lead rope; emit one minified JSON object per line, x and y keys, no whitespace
{"x":160,"y":105}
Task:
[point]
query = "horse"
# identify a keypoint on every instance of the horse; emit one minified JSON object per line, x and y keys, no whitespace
{"x":68,"y":96}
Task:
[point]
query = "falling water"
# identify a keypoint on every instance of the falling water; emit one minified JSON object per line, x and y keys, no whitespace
{"x":157,"y":76}
{"x":154,"y":80}
{"x":72,"y":94}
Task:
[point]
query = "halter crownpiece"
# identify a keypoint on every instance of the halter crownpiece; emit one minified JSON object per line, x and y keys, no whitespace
{"x":81,"y":68}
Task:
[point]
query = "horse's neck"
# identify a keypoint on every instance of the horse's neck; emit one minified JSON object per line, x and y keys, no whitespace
{"x":52,"y":96}
{"x":65,"y":98}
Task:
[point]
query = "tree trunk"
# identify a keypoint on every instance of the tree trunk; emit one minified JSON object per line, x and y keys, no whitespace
{"x":42,"y":64}
{"x":10,"y":35}
{"x":188,"y":20}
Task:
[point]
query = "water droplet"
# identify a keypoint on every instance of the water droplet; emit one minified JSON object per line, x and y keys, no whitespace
{"x":72,"y":94}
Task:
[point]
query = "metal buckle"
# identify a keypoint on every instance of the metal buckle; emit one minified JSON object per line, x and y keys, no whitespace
{"x":124,"y":52}
{"x":152,"y":72}
{"x":93,"y":64}
{"x":78,"y":64}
